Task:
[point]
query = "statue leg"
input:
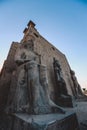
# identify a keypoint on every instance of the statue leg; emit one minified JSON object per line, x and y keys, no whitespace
{"x":21,"y":92}
{"x":36,"y":93}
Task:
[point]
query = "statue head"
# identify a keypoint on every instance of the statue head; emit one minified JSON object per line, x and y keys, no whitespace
{"x":72,"y":72}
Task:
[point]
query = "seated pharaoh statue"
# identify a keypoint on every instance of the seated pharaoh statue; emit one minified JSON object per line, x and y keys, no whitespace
{"x":63,"y":98}
{"x":32,"y":94}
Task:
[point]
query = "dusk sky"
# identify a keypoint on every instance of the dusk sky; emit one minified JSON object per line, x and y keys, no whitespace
{"x":62,"y":22}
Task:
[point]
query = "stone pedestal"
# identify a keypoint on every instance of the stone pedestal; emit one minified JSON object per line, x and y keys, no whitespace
{"x":23,"y":121}
{"x":65,"y":102}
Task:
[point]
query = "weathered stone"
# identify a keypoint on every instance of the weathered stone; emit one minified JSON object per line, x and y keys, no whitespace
{"x":77,"y":88}
{"x":31,"y":82}
{"x":23,"y":121}
{"x":62,"y":98}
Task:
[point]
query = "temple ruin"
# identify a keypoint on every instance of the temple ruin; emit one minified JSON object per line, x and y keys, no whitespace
{"x":37,"y":79}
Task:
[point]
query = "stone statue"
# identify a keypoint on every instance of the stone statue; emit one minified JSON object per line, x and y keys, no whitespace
{"x":77,"y":87}
{"x":63,"y":95}
{"x":59,"y":78}
{"x":32,"y":93}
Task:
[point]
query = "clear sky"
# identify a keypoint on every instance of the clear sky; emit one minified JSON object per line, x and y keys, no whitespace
{"x":61,"y":22}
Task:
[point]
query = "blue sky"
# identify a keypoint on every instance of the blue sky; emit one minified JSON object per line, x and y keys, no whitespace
{"x":61,"y":22}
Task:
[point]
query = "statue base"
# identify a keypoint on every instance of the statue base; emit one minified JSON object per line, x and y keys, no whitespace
{"x":23,"y":121}
{"x":65,"y":102}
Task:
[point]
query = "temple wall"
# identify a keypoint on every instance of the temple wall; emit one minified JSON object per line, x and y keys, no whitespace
{"x":47,"y":53}
{"x":6,"y":74}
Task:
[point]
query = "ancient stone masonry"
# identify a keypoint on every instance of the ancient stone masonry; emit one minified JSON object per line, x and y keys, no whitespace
{"x":63,"y":98}
{"x":7,"y":71}
{"x":77,"y":88}
{"x":36,"y":79}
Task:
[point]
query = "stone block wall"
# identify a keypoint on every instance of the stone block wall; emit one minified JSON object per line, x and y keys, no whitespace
{"x":47,"y":54}
{"x":9,"y":67}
